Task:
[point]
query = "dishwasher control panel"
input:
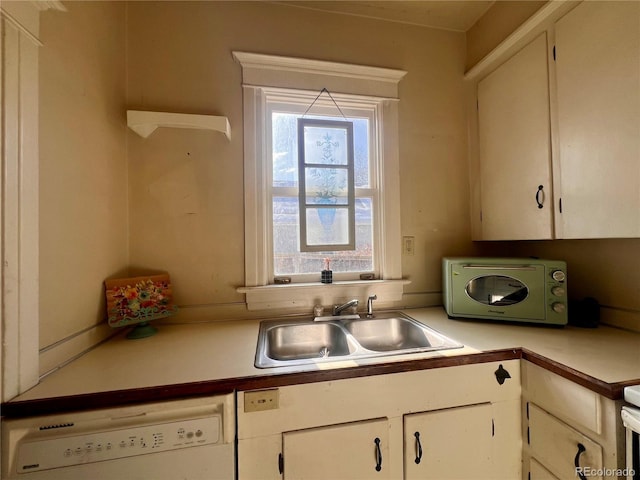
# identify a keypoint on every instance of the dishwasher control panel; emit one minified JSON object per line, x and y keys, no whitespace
{"x":74,"y":449}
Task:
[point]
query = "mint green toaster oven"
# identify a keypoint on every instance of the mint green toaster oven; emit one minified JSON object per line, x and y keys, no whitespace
{"x":508,"y":289}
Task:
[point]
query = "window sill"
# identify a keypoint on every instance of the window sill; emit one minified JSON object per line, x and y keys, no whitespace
{"x":305,"y":295}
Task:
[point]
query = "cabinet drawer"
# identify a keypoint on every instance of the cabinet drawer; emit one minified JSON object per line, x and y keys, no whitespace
{"x":563,"y":398}
{"x":559,"y":447}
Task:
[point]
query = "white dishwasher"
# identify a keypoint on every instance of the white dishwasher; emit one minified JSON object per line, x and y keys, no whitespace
{"x":191,"y":439}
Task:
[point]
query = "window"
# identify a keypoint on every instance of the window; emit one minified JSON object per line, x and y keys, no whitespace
{"x":309,"y":198}
{"x":328,"y":223}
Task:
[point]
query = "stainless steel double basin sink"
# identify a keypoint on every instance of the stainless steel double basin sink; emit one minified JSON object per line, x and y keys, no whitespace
{"x":301,"y":342}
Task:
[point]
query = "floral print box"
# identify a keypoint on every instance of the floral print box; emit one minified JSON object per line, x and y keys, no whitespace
{"x":138,"y":299}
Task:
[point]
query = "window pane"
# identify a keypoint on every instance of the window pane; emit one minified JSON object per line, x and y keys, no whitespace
{"x":325,"y":145}
{"x":285,"y":236}
{"x":362,"y":259}
{"x":285,"y":149}
{"x":327,"y":226}
{"x":361,"y":152}
{"x":326,"y":185}
{"x":289,"y":261}
{"x":287,"y":258}
{"x":284,"y":129}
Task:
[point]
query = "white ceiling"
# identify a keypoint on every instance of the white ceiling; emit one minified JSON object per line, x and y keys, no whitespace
{"x":458,"y":15}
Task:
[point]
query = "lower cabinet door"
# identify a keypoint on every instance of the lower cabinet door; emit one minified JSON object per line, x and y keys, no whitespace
{"x":538,"y":472}
{"x":454,"y":443}
{"x":563,"y":450}
{"x":350,"y":451}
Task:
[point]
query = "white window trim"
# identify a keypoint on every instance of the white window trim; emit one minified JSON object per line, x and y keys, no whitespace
{"x":259,"y":73}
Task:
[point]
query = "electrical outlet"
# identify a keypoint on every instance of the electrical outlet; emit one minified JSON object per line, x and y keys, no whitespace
{"x":409,"y":245}
{"x":259,"y":400}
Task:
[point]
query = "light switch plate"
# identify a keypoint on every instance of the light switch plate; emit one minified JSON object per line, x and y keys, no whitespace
{"x":409,"y":245}
{"x":259,"y":400}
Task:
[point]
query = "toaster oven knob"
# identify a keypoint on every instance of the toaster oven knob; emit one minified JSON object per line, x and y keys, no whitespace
{"x":558,"y":291}
{"x":558,"y":307}
{"x":558,"y":275}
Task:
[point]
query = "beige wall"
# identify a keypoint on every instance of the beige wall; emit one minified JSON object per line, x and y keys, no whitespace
{"x":606,"y":269}
{"x":186,"y":187}
{"x":495,"y":25}
{"x":178,"y":204}
{"x":83,"y":173}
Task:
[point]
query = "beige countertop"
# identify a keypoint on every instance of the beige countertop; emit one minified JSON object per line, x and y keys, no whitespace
{"x":608,"y":354}
{"x":222,"y":354}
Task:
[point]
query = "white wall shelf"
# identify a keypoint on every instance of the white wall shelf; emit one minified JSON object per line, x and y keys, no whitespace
{"x":145,"y":123}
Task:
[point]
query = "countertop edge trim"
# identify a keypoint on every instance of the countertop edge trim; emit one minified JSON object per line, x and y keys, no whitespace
{"x":116,"y":398}
{"x":612,"y":391}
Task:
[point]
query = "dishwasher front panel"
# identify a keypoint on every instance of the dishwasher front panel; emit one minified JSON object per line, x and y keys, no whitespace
{"x":197,"y":463}
{"x":186,"y":439}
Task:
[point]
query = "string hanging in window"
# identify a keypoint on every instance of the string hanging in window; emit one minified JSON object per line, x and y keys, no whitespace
{"x":326,"y":200}
{"x":324,"y":90}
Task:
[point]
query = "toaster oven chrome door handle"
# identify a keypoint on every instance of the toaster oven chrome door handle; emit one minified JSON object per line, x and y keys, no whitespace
{"x":499,"y":267}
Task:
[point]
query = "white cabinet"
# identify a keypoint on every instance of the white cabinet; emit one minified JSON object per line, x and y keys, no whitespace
{"x":515,"y":147}
{"x":557,"y":107}
{"x":468,"y":425}
{"x":598,"y":84}
{"x":450,"y":444}
{"x":435,"y":442}
{"x":568,"y":429}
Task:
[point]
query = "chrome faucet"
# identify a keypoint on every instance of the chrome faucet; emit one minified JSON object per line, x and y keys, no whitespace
{"x":338,"y":309}
{"x":370,"y":305}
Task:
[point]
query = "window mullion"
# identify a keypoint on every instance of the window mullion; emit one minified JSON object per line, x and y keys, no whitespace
{"x":284,"y":191}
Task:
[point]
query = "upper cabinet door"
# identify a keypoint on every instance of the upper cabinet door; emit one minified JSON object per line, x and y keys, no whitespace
{"x":515,"y":147}
{"x":598,"y":91}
